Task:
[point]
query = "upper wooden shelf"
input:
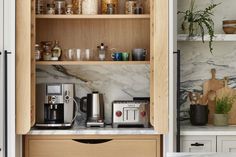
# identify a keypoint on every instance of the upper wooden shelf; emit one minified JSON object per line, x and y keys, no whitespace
{"x":218,"y":37}
{"x":90,"y":62}
{"x":117,"y":16}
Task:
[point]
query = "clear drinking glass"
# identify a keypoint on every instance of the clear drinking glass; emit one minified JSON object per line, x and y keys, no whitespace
{"x":78,"y":55}
{"x":88,"y":54}
{"x":69,"y":54}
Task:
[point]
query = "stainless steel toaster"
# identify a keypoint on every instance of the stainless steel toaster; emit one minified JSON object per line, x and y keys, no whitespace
{"x":130,"y":114}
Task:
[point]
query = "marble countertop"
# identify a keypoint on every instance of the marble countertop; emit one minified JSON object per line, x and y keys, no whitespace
{"x":95,"y":131}
{"x":201,"y":155}
{"x":208,"y":130}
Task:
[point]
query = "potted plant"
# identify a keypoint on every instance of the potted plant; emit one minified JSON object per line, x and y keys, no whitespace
{"x":223,"y":106}
{"x":199,"y":22}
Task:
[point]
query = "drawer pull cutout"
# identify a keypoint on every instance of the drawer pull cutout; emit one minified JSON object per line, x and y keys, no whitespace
{"x":92,"y":141}
{"x":197,"y":144}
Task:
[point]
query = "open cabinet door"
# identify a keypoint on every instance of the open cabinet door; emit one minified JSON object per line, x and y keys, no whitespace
{"x":159,"y":65}
{"x":25,"y":70}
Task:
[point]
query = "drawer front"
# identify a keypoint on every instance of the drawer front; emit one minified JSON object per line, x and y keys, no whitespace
{"x":92,"y":148}
{"x":198,"y":143}
{"x":226,"y":143}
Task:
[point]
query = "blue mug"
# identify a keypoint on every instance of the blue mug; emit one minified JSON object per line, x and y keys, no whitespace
{"x":116,"y":56}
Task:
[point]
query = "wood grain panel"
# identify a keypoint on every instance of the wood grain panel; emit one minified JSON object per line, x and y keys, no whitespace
{"x":160,"y":63}
{"x":33,"y":65}
{"x":124,"y":35}
{"x":114,"y":148}
{"x":23,"y":66}
{"x":138,"y":146}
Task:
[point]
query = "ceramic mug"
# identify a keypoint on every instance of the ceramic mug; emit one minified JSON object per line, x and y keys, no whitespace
{"x":116,"y":56}
{"x":125,"y":56}
{"x":139,"y":54}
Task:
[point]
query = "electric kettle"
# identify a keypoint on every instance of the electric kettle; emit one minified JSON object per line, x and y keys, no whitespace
{"x":93,"y":105}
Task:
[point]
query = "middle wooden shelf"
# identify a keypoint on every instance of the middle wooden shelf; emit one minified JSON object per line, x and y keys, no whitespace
{"x":90,"y":62}
{"x":101,"y":16}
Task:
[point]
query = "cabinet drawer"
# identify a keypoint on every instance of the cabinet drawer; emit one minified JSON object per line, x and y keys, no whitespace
{"x":92,"y":148}
{"x":226,"y":143}
{"x":198,"y":143}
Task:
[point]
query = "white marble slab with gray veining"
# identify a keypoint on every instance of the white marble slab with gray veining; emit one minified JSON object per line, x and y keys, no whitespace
{"x":201,"y":155}
{"x":96,"y":131}
{"x":116,"y":82}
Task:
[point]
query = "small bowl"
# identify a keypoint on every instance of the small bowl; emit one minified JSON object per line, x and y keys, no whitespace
{"x":229,"y":30}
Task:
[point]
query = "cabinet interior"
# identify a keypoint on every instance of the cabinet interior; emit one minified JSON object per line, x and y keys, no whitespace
{"x":120,"y":32}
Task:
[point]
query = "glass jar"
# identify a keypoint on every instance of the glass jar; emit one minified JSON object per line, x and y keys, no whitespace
{"x":47,"y":54}
{"x":50,"y":9}
{"x":60,"y":7}
{"x":56,"y":51}
{"x":69,"y":10}
{"x":40,"y":6}
{"x":38,"y":53}
{"x":108,"y":5}
{"x":89,"y":7}
{"x":77,"y":6}
{"x":130,"y":6}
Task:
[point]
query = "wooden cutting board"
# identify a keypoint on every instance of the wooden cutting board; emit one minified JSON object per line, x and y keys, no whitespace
{"x":227,"y":91}
{"x":212,"y":86}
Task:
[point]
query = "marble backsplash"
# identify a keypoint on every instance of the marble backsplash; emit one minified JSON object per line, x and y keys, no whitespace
{"x":197,"y":61}
{"x":116,"y":82}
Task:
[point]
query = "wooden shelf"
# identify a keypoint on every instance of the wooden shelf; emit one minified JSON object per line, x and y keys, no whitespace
{"x":91,"y":62}
{"x":218,"y":37}
{"x":117,"y":16}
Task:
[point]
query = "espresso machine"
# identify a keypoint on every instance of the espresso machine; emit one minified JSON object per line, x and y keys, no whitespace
{"x":55,"y":105}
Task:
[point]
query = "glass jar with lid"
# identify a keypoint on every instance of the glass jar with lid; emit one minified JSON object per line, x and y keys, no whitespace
{"x":60,"y":7}
{"x":56,"y":51}
{"x":109,"y":6}
{"x":38,"y":52}
{"x":130,"y":6}
{"x":89,"y":7}
{"x":41,"y":6}
{"x":77,"y":6}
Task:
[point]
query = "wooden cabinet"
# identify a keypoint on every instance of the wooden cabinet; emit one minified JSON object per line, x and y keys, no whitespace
{"x":226,"y":143}
{"x":149,"y":30}
{"x":198,"y":144}
{"x":91,"y":146}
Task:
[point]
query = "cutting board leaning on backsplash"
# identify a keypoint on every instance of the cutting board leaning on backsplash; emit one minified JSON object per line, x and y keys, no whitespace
{"x":212,"y":86}
{"x":227,"y":91}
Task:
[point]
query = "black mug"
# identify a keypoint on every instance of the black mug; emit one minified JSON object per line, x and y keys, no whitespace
{"x":198,"y":114}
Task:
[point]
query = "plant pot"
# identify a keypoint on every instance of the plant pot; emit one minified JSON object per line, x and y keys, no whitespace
{"x":220,"y":119}
{"x":198,"y":114}
{"x":193,"y":31}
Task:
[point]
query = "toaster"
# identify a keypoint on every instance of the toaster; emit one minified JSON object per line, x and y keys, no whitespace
{"x":130,"y":114}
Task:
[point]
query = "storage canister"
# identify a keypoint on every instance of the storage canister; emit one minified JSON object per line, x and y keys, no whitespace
{"x":130,"y":6}
{"x":60,"y":7}
{"x":109,"y":3}
{"x":40,"y":6}
{"x":89,"y":7}
{"x":77,"y":6}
